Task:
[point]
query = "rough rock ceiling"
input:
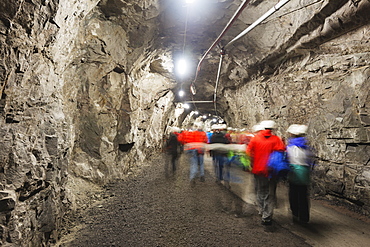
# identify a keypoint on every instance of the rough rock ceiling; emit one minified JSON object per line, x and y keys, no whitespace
{"x":189,"y":29}
{"x":297,"y":25}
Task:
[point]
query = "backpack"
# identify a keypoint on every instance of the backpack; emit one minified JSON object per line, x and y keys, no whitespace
{"x":278,"y":165}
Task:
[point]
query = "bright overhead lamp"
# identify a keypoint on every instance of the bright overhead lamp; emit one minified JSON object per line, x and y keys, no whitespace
{"x":182,"y":67}
{"x":181,"y":93}
{"x":186,"y":106}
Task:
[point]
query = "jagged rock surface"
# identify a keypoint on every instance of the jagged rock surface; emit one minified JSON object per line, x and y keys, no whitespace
{"x":87,"y":94}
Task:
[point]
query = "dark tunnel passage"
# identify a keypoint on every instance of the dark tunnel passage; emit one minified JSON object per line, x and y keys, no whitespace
{"x":90,"y":91}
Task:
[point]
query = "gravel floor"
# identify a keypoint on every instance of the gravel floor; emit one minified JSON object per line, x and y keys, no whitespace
{"x":153,"y":209}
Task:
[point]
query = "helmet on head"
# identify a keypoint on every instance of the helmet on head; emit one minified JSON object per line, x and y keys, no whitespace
{"x":268,"y":124}
{"x":257,"y":128}
{"x":297,"y":129}
{"x":293,"y":129}
{"x":302,"y":129}
{"x":198,"y":125}
{"x":215,"y":126}
{"x":175,"y":129}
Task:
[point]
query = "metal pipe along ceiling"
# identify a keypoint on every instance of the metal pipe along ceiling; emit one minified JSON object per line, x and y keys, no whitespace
{"x":261,"y":19}
{"x":228,"y":25}
{"x":217,"y":80}
{"x":236,"y":15}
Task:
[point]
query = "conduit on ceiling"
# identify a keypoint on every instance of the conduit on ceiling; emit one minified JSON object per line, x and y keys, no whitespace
{"x":261,"y":19}
{"x":247,"y":30}
{"x":228,"y":25}
{"x":222,"y":53}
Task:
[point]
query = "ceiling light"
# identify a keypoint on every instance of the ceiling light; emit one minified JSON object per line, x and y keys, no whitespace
{"x":181,"y":93}
{"x":181,"y":67}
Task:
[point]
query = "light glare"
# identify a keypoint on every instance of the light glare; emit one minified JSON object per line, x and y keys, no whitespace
{"x":182,"y":67}
{"x":181,"y":93}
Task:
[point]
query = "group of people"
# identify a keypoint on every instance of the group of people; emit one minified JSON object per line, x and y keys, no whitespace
{"x":258,"y":148}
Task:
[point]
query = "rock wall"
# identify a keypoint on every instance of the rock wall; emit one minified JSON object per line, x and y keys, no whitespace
{"x":322,"y":80}
{"x":86,"y":95}
{"x":84,"y":100}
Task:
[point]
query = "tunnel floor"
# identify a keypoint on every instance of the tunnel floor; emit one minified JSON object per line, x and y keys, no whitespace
{"x":160,"y":209}
{"x":154,"y":210}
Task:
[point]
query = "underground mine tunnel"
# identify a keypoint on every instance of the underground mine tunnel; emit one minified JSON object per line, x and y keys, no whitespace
{"x":89,"y":89}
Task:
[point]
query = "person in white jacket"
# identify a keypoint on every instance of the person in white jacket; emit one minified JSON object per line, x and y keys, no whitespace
{"x":300,"y":159}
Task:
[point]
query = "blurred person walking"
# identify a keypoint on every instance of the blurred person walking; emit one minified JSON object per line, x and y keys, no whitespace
{"x":172,"y":150}
{"x":194,"y":141}
{"x":219,"y":154}
{"x":300,"y":159}
{"x":259,"y":149}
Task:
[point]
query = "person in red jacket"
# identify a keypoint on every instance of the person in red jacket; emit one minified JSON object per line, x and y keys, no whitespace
{"x":259,"y":149}
{"x":194,"y":142}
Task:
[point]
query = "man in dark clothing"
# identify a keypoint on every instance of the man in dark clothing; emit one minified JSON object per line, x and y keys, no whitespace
{"x":220,"y":153}
{"x":172,"y":149}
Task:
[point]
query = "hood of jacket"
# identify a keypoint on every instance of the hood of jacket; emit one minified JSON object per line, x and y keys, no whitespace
{"x":298,"y":141}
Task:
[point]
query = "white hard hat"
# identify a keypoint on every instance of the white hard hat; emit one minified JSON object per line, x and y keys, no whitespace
{"x":293,"y":129}
{"x":215,"y":127}
{"x":302,"y":129}
{"x":257,"y":128}
{"x":175,"y":129}
{"x":297,"y":129}
{"x":268,"y":124}
{"x":198,"y":124}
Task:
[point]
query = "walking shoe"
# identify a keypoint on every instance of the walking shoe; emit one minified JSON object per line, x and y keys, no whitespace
{"x":192,"y":182}
{"x":266,"y":222}
{"x":202,"y":179}
{"x":227,"y":185}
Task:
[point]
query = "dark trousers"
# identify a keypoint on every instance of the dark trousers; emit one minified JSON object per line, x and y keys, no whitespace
{"x":171,"y":163}
{"x":299,"y":202}
{"x":220,"y":162}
